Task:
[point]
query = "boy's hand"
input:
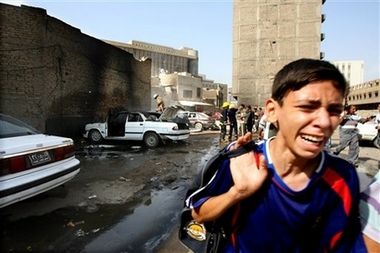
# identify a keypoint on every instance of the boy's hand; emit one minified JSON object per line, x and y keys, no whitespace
{"x":242,"y":140}
{"x":247,"y":175}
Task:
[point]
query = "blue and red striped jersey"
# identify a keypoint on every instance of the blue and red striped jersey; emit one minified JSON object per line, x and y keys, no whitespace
{"x":322,"y":217}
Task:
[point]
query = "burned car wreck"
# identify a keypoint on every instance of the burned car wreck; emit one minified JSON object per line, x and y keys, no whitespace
{"x":150,"y":127}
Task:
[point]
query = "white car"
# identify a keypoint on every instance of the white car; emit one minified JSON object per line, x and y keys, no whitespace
{"x":199,"y":120}
{"x":367,"y":131}
{"x":149,"y":127}
{"x":31,"y":162}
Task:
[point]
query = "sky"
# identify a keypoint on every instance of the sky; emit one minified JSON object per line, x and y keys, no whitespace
{"x":352,"y":28}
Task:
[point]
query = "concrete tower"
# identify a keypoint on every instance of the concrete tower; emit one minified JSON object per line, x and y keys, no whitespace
{"x":267,"y":34}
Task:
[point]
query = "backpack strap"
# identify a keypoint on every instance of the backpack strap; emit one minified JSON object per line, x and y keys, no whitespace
{"x":209,"y":171}
{"x":248,"y":147}
{"x":216,"y":231}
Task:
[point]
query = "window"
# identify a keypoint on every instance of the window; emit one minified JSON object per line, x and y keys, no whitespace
{"x":187,"y":93}
{"x":134,"y":117}
{"x":199,"y":92}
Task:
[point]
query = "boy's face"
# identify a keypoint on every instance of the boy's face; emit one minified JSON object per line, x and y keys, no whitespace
{"x":308,"y":117}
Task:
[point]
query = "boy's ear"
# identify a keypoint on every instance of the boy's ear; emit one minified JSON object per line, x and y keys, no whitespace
{"x":271,"y":110}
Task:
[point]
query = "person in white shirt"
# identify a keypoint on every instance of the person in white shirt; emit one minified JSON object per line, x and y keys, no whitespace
{"x":349,"y":134}
{"x":377,"y":120}
{"x":370,"y":214}
{"x":266,"y":129}
{"x":240,"y":118}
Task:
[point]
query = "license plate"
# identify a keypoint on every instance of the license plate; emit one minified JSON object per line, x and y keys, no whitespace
{"x":39,"y":158}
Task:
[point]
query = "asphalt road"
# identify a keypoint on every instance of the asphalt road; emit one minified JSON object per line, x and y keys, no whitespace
{"x":125,"y":199}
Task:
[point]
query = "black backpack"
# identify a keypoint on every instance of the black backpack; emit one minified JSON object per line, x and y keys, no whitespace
{"x":208,"y":237}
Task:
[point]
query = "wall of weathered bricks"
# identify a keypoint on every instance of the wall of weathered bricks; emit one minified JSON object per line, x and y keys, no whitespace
{"x":56,"y":78}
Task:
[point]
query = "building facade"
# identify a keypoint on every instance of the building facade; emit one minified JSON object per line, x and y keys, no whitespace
{"x":266,"y":36}
{"x":365,"y":95}
{"x":182,"y":86}
{"x":164,"y":59}
{"x":353,"y":71}
{"x":214,"y":93}
{"x":175,"y":75}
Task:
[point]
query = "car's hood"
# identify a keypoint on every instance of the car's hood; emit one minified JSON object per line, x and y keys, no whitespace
{"x":171,"y":112}
{"x":28,"y":143}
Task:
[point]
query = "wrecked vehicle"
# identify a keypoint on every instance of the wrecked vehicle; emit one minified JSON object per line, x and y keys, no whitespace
{"x":149,"y":127}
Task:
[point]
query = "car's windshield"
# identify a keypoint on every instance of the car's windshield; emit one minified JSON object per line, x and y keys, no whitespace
{"x":203,"y":116}
{"x":11,"y":127}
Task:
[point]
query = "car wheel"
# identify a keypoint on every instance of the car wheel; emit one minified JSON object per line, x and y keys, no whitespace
{"x":151,"y":140}
{"x":198,"y":126}
{"x":95,"y":136}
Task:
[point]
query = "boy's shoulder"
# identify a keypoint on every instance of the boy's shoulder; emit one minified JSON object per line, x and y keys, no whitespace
{"x":342,"y":168}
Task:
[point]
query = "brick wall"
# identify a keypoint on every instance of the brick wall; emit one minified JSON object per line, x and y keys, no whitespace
{"x":56,"y":78}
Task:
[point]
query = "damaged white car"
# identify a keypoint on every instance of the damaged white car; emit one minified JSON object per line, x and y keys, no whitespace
{"x":149,"y":127}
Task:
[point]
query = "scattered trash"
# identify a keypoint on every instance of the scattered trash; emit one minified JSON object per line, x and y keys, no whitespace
{"x":80,"y":233}
{"x":131,"y":158}
{"x":158,"y":163}
{"x":83,"y":204}
{"x":73,"y":224}
{"x":95,"y":230}
{"x":70,"y":224}
{"x":92,"y":196}
{"x":79,"y":222}
{"x":124,"y":179}
{"x":29,"y":248}
{"x":92,"y":208}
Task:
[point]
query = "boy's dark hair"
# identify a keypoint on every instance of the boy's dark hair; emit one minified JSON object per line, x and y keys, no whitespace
{"x":299,"y":73}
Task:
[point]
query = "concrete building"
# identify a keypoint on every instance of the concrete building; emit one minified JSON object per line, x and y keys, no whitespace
{"x":56,"y":78}
{"x":365,"y":95}
{"x":266,"y":36}
{"x":353,"y":71}
{"x":175,"y":75}
{"x":164,"y":59}
{"x":180,"y":88}
{"x":214,"y":93}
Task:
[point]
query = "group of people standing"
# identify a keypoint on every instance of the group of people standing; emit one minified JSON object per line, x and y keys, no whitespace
{"x":244,"y":119}
{"x":240,"y":120}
